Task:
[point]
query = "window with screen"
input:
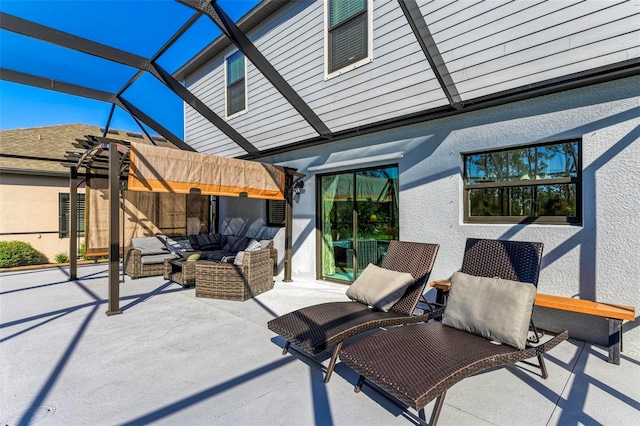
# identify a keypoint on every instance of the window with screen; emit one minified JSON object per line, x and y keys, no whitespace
{"x":348,"y":34}
{"x":236,"y":82}
{"x":64,"y":216}
{"x":275,"y":212}
{"x":538,"y":183}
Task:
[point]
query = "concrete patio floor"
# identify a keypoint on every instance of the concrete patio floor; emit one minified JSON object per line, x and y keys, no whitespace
{"x":172,"y":358}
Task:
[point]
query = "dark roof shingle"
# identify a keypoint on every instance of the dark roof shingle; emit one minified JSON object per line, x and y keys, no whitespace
{"x":43,"y":148}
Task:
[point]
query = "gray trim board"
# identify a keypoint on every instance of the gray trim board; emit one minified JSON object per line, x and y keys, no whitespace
{"x":33,"y":172}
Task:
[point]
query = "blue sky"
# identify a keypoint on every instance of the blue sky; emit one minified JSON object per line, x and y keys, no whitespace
{"x":136,"y":26}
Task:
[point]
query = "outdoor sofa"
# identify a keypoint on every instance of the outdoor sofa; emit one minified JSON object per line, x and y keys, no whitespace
{"x":146,"y":256}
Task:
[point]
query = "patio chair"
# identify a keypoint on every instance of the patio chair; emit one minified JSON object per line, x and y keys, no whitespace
{"x":316,"y":328}
{"x":419,"y":362}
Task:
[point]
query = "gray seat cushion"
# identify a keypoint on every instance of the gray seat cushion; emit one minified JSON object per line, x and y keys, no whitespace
{"x":152,"y":259}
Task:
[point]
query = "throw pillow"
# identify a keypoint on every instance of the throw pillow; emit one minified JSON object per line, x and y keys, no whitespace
{"x":379,"y":287}
{"x":193,"y":240}
{"x":215,"y":240}
{"x":235,"y":243}
{"x":185,"y":244}
{"x":204,"y":243}
{"x":172,"y":245}
{"x":253,"y":245}
{"x":191,"y":256}
{"x":228,"y":259}
{"x":494,"y":308}
{"x":239,"y":258}
{"x":265,"y":244}
{"x":179,"y":245}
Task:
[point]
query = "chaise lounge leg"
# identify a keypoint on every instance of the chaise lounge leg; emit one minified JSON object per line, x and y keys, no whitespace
{"x":543,"y":367}
{"x":358,"y":387}
{"x":332,"y":363}
{"x":437,"y":409}
{"x":286,"y":348}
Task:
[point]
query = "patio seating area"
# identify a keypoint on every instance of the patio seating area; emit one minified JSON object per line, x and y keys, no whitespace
{"x":172,"y":358}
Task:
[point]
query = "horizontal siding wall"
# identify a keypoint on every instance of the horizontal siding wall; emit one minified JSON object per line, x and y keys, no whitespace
{"x":398,"y":81}
{"x":487,"y":46}
{"x":521,"y":43}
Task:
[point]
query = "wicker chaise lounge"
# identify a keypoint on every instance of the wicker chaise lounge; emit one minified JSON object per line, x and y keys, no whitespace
{"x":420,"y":362}
{"x":317,"y":328}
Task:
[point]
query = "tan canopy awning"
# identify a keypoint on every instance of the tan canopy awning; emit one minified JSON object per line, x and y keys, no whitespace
{"x":157,"y":169}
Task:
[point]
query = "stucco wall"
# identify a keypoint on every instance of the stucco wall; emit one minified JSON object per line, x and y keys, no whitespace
{"x":247,"y":217}
{"x":29,"y":211}
{"x":596,"y":261}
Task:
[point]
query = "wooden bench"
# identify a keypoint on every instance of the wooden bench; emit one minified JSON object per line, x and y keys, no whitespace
{"x":95,"y":256}
{"x":614,"y":313}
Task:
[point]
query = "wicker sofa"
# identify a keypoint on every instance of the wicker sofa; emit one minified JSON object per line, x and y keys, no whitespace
{"x":217,"y":280}
{"x":146,"y":256}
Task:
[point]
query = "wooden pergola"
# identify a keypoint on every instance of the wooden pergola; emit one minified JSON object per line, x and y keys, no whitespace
{"x":101,"y":157}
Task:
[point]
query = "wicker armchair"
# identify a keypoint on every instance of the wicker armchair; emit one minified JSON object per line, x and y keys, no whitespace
{"x":218,"y":280}
{"x":134,"y":267}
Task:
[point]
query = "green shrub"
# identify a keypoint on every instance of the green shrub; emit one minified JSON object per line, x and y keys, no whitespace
{"x":61,"y":258}
{"x":19,"y":253}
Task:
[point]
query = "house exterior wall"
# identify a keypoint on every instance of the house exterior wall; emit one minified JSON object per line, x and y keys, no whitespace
{"x":596,"y":261}
{"x":399,"y":71}
{"x":487,"y":47}
{"x":248,"y":217}
{"x":29,"y":211}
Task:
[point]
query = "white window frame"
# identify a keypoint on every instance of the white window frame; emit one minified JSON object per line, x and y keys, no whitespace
{"x":226,"y":92}
{"x":369,"y":58}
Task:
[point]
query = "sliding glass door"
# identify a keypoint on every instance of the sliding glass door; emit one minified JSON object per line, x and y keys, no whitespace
{"x":358,"y":217}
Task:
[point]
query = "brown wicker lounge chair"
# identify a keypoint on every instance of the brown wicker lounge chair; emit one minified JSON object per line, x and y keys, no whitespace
{"x":316,"y":328}
{"x":419,"y":362}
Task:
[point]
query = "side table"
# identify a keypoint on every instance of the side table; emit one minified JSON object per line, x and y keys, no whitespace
{"x":180,"y":271}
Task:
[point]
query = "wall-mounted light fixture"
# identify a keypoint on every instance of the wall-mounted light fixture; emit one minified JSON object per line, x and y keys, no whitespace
{"x":298,"y":186}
